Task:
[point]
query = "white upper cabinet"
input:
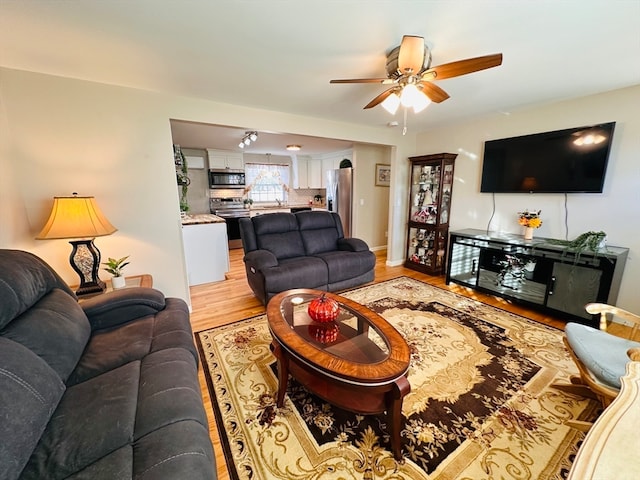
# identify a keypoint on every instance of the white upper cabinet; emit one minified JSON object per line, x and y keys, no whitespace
{"x":225,"y":159}
{"x":306,"y":173}
{"x":314,"y":174}
{"x":311,"y":173}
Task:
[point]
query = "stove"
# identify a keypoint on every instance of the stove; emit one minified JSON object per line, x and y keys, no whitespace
{"x":227,"y":203}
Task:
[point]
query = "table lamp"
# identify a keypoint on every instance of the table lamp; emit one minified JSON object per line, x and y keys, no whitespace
{"x":79,"y":218}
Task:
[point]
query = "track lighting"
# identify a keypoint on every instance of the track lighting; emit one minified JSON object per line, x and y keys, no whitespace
{"x":248,"y":138}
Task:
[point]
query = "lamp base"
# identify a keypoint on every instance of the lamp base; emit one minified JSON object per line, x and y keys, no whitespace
{"x":85,"y":260}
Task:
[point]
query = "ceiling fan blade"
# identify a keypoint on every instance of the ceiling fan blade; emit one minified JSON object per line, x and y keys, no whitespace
{"x":411,"y":55}
{"x":433,"y":91}
{"x":462,"y":67}
{"x":380,"y":98}
{"x":361,"y":80}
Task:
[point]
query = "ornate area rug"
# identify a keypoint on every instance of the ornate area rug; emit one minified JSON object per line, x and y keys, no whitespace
{"x":481,"y":404}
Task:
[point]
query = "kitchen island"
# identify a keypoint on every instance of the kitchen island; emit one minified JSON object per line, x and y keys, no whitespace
{"x":206,"y":252}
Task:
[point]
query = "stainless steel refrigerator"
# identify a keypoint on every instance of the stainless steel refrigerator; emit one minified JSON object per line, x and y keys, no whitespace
{"x":340,"y":196}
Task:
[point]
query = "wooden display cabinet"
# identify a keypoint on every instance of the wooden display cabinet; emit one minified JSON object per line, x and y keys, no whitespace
{"x":429,"y":209}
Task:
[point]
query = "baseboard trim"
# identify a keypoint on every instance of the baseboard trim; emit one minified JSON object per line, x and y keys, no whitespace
{"x":394,"y":263}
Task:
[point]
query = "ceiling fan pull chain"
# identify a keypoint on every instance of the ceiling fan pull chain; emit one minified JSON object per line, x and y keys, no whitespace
{"x":404,"y":127}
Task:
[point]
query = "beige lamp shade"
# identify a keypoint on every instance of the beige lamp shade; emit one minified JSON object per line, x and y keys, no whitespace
{"x":75,"y":217}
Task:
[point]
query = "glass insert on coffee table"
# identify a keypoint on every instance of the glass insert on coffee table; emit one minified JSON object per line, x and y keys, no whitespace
{"x":357,"y":362}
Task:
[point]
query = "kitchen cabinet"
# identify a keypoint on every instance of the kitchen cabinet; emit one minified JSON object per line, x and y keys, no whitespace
{"x":302,"y":176}
{"x":225,"y":159}
{"x":314,"y":174}
{"x":536,"y":273}
{"x":309,"y":174}
{"x":429,"y":207}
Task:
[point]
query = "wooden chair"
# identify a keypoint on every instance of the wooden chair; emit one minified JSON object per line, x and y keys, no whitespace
{"x":601,"y":354}
{"x":610,"y":449}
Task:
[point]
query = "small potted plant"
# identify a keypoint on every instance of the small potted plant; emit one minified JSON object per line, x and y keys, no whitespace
{"x":114,"y":267}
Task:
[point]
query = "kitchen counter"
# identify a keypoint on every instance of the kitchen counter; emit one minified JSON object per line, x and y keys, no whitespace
{"x":201,"y":219}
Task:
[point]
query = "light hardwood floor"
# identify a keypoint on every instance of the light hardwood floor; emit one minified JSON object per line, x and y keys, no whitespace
{"x":220,"y":303}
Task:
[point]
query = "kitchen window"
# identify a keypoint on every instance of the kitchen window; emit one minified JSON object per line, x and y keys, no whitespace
{"x":267,"y":183}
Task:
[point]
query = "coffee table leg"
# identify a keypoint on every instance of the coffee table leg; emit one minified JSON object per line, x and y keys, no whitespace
{"x":283,"y":372}
{"x":394,"y":413}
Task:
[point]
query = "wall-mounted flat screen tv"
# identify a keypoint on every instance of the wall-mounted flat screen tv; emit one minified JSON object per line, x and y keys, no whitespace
{"x":573,"y":160}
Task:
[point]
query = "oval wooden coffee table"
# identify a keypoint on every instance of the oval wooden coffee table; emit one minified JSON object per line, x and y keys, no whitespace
{"x":358,"y":363}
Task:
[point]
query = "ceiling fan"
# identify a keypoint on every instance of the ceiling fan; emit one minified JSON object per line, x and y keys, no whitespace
{"x":410,"y":73}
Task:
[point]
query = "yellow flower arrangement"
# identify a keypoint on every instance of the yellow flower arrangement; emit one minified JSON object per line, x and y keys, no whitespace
{"x":530,"y":219}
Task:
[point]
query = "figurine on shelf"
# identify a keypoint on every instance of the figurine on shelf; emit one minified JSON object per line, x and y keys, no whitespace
{"x":422,"y":215}
{"x":424,"y":174}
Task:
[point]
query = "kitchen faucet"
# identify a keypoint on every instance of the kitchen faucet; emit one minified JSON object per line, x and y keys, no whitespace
{"x":279,"y":202}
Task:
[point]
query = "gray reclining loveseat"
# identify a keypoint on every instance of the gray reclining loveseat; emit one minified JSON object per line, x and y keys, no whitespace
{"x":103,"y":389}
{"x":302,"y":250}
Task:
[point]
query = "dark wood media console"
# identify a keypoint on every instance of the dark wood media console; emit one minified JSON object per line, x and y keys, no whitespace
{"x":535,"y":272}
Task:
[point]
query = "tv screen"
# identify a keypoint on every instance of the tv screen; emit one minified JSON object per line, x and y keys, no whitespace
{"x":563,"y":161}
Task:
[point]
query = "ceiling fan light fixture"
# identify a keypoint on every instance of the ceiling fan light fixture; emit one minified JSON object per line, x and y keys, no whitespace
{"x":409,"y":95}
{"x":420,"y":102}
{"x":391,"y":103}
{"x":294,"y":148}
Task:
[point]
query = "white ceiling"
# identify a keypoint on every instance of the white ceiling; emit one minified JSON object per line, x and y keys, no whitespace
{"x":280,"y":54}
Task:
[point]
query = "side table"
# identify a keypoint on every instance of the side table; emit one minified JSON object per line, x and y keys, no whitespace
{"x":144,"y":280}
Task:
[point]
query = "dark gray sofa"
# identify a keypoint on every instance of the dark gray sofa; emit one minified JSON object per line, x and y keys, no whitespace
{"x":103,"y":389}
{"x":302,"y":250}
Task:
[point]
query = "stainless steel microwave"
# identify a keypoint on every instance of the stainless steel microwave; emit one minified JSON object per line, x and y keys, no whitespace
{"x":223,"y":178}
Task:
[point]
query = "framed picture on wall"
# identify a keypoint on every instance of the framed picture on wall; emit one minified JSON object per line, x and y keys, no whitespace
{"x":383,"y":175}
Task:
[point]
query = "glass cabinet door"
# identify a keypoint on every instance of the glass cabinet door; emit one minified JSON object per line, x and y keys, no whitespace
{"x":429,"y":208}
{"x":427,"y":247}
{"x":425,"y":189}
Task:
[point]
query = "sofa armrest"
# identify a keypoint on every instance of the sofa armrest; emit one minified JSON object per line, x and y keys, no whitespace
{"x":352,"y":245}
{"x":260,"y":259}
{"x":122,"y":306}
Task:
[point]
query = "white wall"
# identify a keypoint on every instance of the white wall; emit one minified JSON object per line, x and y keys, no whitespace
{"x":371,"y":202}
{"x":615,"y":211}
{"x":61,"y":135}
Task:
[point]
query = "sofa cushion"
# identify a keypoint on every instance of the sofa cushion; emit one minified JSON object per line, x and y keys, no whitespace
{"x":604,"y":355}
{"x":125,"y":409}
{"x":54,"y":328}
{"x":301,"y":272}
{"x":343,"y":265}
{"x":112,"y":348}
{"x":94,"y":418}
{"x":29,"y":393}
{"x":278,"y":233}
{"x":24,"y":279}
{"x":187,"y":456}
{"x":319,"y":232}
